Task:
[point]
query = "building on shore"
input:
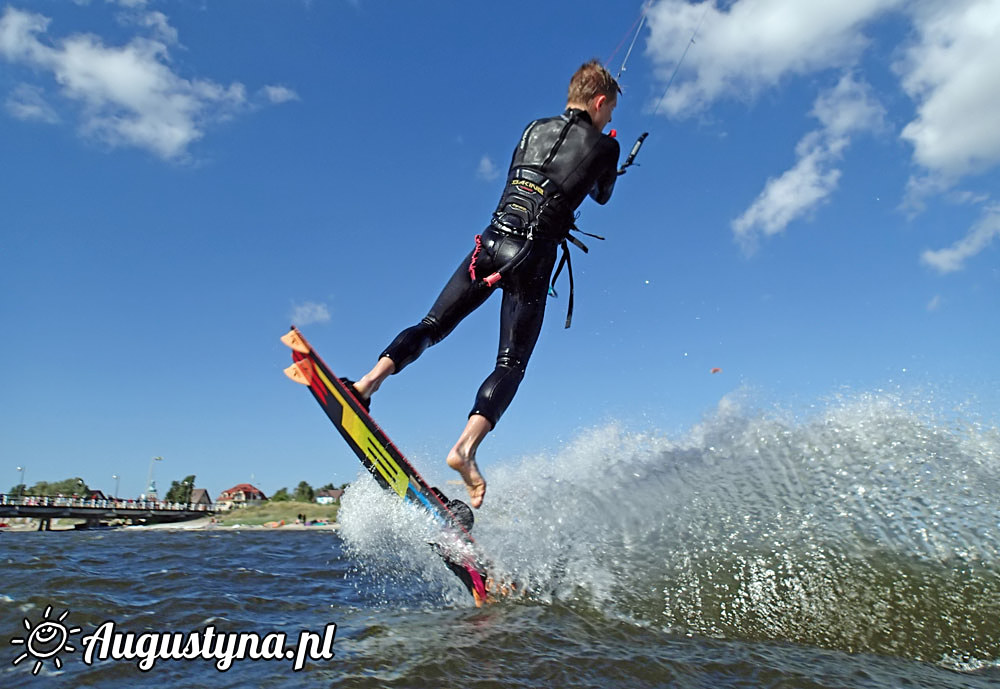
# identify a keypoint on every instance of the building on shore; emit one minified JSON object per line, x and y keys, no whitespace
{"x":200,"y":496}
{"x":242,"y":495}
{"x":329,"y":497}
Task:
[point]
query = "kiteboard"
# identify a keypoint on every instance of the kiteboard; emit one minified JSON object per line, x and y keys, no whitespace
{"x":388,"y":466}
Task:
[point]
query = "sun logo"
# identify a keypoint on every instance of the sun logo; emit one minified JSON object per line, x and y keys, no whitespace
{"x":45,"y":640}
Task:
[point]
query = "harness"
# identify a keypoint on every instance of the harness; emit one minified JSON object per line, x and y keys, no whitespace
{"x":525,"y":210}
{"x":565,"y":260}
{"x":522,"y":216}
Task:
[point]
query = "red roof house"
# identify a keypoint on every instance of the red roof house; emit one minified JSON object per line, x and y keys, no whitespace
{"x":240,"y":495}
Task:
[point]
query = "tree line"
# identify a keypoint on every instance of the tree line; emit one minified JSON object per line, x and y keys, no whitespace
{"x":180,"y":491}
{"x":303,"y":492}
{"x":69,"y":486}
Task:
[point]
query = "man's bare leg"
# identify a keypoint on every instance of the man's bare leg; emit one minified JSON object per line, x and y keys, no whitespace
{"x":372,"y":380}
{"x":462,"y":457}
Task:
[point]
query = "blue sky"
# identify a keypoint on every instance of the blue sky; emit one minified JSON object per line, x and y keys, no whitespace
{"x":815,"y":210}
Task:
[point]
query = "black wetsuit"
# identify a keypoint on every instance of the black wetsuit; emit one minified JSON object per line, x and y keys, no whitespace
{"x":557,"y":163}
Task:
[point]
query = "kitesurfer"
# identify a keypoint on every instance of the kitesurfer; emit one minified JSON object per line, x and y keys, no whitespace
{"x":557,"y":163}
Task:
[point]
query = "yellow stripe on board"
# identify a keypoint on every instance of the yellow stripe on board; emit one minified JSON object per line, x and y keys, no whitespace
{"x":368,"y":443}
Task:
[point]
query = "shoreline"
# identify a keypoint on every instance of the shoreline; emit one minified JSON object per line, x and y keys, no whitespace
{"x":203,"y":524}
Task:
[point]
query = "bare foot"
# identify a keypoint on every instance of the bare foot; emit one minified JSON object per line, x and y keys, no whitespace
{"x":475,"y":484}
{"x":462,"y":457}
{"x":372,"y":380}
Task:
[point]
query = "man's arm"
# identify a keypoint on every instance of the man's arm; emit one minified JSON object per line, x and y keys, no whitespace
{"x":605,"y":184}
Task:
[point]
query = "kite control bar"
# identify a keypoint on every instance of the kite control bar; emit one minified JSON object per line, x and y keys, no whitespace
{"x":630,"y":160}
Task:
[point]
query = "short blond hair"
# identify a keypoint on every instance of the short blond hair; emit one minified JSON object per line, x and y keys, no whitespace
{"x":591,"y":80}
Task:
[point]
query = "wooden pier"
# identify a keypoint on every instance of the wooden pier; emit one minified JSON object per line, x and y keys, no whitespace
{"x":94,"y":511}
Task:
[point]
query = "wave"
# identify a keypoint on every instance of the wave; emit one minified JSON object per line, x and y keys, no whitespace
{"x":869,"y":526}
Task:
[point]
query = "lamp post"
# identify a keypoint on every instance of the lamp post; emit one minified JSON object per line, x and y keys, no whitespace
{"x":117,"y":479}
{"x":150,"y":486}
{"x":20,"y":486}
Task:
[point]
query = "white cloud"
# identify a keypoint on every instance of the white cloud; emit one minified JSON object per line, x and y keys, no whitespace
{"x":750,"y":45}
{"x":966,"y":196}
{"x":978,"y":238}
{"x":28,"y":102}
{"x":790,"y":195}
{"x":487,"y":169}
{"x":279,"y":94}
{"x":850,"y":107}
{"x":844,"y":110}
{"x":952,"y":72}
{"x":310,"y":312}
{"x":935,"y":303}
{"x":948,"y":64}
{"x":125,"y":95}
{"x":160,"y":26}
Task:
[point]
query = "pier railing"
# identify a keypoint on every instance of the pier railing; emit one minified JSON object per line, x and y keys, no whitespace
{"x":45,"y":508}
{"x":76,"y":502}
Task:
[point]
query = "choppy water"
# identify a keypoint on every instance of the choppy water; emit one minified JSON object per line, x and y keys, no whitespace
{"x":859,"y":547}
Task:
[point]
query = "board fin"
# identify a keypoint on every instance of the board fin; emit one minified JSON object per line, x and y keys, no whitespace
{"x":301,"y":372}
{"x":295,"y":340}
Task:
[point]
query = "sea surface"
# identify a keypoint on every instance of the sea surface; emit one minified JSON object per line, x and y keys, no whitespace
{"x":854,"y":546}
